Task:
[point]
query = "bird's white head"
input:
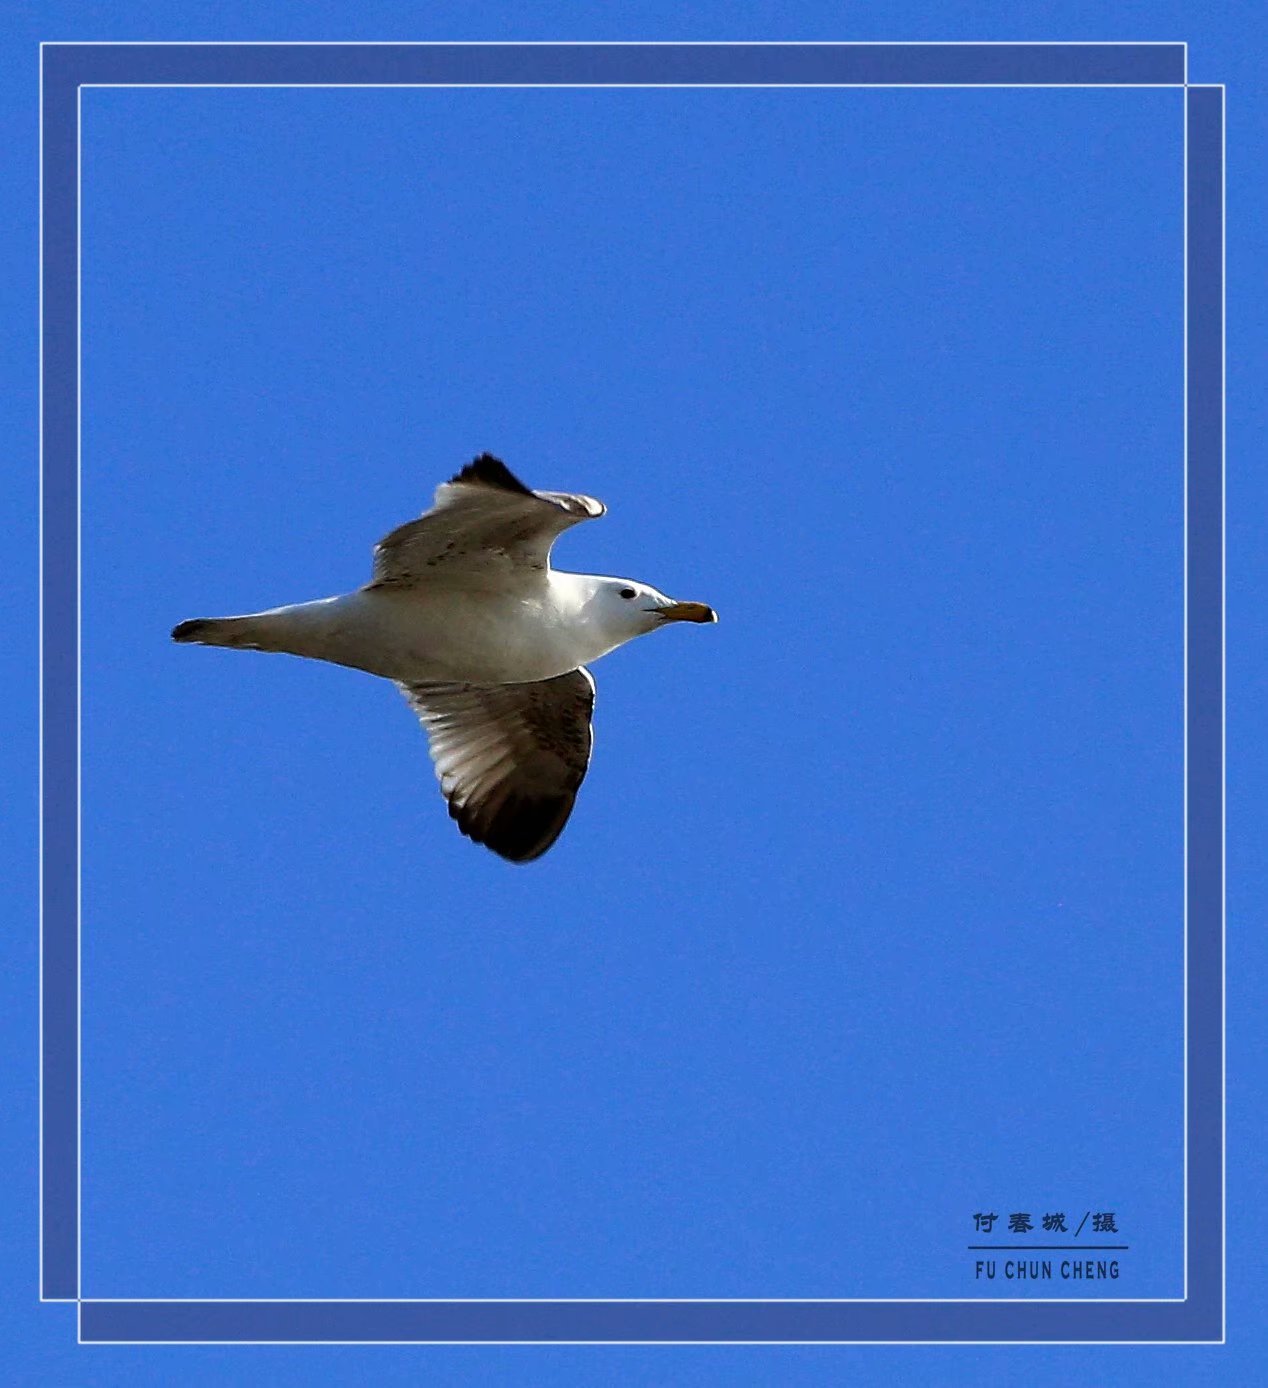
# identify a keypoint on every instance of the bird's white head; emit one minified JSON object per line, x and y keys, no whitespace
{"x":628,"y":609}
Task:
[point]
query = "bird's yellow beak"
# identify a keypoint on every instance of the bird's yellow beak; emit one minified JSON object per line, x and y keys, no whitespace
{"x":687,"y":612}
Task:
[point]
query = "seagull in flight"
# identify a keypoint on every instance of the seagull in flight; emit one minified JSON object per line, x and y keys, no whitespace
{"x":487,"y":642}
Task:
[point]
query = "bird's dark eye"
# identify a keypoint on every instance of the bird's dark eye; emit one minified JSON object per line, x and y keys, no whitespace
{"x":627,"y":592}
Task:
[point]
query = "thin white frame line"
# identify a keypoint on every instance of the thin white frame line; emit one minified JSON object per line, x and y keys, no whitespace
{"x":616,"y":43}
{"x":655,"y":86}
{"x":622,"y":1300}
{"x":914,"y":1300}
{"x":1223,"y":713}
{"x":79,"y":693}
{"x":40,"y":685}
{"x":1184,"y":682}
{"x":768,"y":1344}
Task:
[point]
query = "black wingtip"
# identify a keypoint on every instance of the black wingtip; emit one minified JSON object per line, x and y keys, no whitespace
{"x":488,"y":471}
{"x":522,"y":828}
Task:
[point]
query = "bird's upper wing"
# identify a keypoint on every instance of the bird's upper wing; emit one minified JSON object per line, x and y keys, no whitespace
{"x":485,"y":516}
{"x":509,"y":757}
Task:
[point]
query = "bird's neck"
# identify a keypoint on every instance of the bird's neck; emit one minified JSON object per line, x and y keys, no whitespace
{"x":572,"y":594}
{"x":580,"y":616}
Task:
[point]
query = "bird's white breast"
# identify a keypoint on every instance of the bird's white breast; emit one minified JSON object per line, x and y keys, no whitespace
{"x":439,"y":634}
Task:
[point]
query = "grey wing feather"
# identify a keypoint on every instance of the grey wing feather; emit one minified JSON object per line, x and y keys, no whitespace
{"x":510,"y":758}
{"x":482,"y":518}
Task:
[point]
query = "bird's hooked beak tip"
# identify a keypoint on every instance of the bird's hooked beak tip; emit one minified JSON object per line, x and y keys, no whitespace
{"x":687,"y":612}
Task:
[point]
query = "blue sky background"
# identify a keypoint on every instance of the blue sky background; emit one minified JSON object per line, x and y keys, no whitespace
{"x":924,"y":777}
{"x":844,"y":978}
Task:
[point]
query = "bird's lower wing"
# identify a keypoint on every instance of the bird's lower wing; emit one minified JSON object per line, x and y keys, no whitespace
{"x":510,"y":758}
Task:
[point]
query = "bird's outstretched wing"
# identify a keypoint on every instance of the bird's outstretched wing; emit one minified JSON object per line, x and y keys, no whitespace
{"x":483,"y":517}
{"x":509,"y":757}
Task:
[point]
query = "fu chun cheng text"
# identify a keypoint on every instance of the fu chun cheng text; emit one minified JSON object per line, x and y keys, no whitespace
{"x":1046,"y":1269}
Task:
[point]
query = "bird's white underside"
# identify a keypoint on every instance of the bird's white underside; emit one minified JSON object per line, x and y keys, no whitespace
{"x":487,"y":642}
